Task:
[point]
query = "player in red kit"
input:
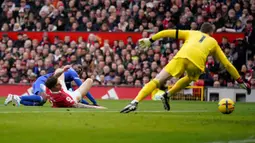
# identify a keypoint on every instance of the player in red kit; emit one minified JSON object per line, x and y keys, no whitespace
{"x":60,"y":99}
{"x":55,"y":89}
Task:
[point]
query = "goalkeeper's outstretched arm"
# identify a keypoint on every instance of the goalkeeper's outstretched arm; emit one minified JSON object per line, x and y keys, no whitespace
{"x":177,"y":34}
{"x":223,"y":59}
{"x":231,"y":69}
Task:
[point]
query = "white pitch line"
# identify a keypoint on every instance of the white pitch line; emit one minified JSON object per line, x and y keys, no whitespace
{"x":248,"y":140}
{"x":101,"y":111}
{"x":236,"y":141}
{"x":243,"y":141}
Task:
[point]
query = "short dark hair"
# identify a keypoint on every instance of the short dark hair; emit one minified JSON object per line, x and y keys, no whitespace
{"x":206,"y":27}
{"x":51,"y":82}
{"x":78,"y":68}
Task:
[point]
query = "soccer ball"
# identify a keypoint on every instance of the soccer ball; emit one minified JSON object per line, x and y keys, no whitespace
{"x":226,"y":106}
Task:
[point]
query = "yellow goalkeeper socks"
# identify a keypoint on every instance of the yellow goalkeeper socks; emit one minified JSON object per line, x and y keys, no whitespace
{"x":147,"y":90}
{"x":153,"y":84}
{"x":180,"y":84}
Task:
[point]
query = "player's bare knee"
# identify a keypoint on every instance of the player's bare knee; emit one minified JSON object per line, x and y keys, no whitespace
{"x":89,"y":81}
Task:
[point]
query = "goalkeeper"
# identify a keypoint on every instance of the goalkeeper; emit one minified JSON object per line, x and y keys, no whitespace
{"x":191,"y":59}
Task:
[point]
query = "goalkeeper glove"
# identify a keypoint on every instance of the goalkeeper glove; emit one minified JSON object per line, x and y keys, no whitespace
{"x":244,"y":85}
{"x":145,"y":42}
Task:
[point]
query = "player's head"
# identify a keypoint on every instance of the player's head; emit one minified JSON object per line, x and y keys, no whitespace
{"x":78,"y":68}
{"x":53,"y":83}
{"x":207,"y":28}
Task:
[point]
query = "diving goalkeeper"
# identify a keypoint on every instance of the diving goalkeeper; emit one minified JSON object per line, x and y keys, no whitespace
{"x":191,"y":59}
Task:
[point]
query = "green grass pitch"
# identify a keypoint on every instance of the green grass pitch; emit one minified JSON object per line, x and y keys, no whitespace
{"x":187,"y":122}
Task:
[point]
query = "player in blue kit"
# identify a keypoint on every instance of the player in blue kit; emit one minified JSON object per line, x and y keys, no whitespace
{"x":39,"y":99}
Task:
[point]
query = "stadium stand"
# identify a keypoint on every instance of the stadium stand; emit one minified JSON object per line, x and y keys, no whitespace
{"x":22,"y":60}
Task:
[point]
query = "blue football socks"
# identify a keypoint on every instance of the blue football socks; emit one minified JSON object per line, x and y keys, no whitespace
{"x":91,"y":98}
{"x":83,"y":101}
{"x":29,"y":103}
{"x":33,"y":98}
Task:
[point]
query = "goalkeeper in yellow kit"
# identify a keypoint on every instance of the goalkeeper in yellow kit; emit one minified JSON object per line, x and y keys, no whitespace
{"x":191,"y":59}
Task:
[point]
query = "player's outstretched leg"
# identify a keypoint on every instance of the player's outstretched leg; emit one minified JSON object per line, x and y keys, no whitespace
{"x":30,"y":103}
{"x":85,"y":87}
{"x":147,"y":90}
{"x":26,"y":100}
{"x":144,"y":92}
{"x":32,"y":100}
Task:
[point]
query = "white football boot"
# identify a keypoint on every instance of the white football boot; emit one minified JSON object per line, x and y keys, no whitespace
{"x":8,"y":99}
{"x":16,"y":100}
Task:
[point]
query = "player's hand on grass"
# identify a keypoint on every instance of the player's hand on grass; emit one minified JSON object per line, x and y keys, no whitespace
{"x":100,"y":107}
{"x":80,"y":105}
{"x":145,"y":42}
{"x":244,"y":85}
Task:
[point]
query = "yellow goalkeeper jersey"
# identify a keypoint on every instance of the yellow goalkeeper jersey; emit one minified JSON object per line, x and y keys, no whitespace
{"x":196,"y":48}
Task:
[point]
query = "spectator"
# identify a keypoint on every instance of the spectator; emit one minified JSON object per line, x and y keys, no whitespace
{"x":216,"y":84}
{"x":132,"y":66}
{"x":212,"y":65}
{"x":246,"y":74}
{"x":224,"y":44}
{"x":46,"y":8}
{"x":253,"y":83}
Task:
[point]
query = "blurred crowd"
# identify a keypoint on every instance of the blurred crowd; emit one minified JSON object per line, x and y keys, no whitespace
{"x":120,"y":63}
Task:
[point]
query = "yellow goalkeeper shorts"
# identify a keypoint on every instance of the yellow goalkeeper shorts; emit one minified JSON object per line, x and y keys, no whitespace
{"x":178,"y":66}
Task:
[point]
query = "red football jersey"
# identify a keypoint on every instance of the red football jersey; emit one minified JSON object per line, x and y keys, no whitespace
{"x":60,"y":99}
